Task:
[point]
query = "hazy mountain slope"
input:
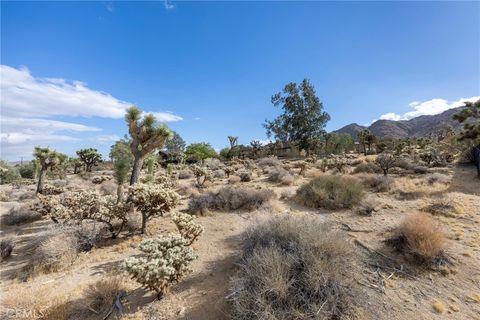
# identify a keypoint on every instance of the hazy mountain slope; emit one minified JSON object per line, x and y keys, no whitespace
{"x":417,"y":127}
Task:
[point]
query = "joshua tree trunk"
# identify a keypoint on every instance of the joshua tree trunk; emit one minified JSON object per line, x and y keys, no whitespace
{"x":89,"y":167}
{"x":144,"y":223}
{"x":119,"y":192}
{"x":41,"y":180}
{"x":385,"y":172}
{"x":137,"y":167}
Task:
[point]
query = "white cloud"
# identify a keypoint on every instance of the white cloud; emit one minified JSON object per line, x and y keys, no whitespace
{"x":430,"y":107}
{"x":390,"y":116}
{"x":28,"y":103}
{"x":166,"y":116}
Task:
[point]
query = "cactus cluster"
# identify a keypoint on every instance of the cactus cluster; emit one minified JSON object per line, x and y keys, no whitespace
{"x":202,"y":174}
{"x":166,"y":261}
{"x":187,"y":227}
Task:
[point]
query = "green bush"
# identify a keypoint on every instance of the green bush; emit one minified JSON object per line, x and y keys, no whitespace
{"x":26,"y":171}
{"x":331,"y":192}
{"x":8,"y":174}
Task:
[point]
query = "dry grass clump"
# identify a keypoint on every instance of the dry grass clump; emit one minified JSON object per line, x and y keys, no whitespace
{"x":420,"y":170}
{"x":6,"y":248}
{"x":378,"y":183}
{"x":185,"y":174}
{"x":421,"y":237}
{"x":442,"y":207}
{"x":293,"y":268}
{"x":108,"y":188}
{"x":98,"y":298}
{"x":331,"y":192}
{"x":20,"y":215}
{"x":280,"y":175}
{"x":367,"y":207}
{"x":268,"y":162}
{"x":414,"y":188}
{"x":245,"y":176}
{"x":35,"y":302}
{"x":437,"y":178}
{"x":230,"y":198}
{"x":367,"y":167}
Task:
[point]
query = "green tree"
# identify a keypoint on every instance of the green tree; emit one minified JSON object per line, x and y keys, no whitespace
{"x":336,"y":143}
{"x":147,"y":136}
{"x":48,"y":159}
{"x":176,"y":144}
{"x":303,"y":120}
{"x":200,"y":151}
{"x":121,"y":150}
{"x":366,"y":138}
{"x":90,"y":157}
{"x":470,"y":117}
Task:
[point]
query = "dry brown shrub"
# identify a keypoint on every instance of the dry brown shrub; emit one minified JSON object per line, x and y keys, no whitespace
{"x":420,"y":236}
{"x":294,"y":268}
{"x":98,"y":298}
{"x":6,"y":248}
{"x":20,"y":215}
{"x":35,"y":302}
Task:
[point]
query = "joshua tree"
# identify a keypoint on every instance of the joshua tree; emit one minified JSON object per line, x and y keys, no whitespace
{"x":77,"y":165}
{"x":366,"y":138}
{"x":256,"y":145}
{"x":386,"y":161}
{"x":233,"y":141}
{"x":47,"y":159}
{"x":470,"y":117}
{"x":121,"y":167}
{"x":147,"y":135}
{"x":90,"y":157}
{"x":151,"y":162}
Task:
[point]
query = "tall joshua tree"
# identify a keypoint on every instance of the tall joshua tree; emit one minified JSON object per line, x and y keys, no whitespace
{"x":233,"y":141}
{"x":147,"y":135}
{"x":90,"y":157}
{"x":121,"y":167}
{"x":47,"y":159}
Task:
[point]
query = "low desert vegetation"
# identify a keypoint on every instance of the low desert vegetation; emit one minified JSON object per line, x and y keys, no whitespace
{"x":421,"y":237}
{"x":293,"y":268}
{"x":19,"y":215}
{"x":331,"y":192}
{"x":280,"y":175}
{"x":6,"y":248}
{"x":229,"y":199}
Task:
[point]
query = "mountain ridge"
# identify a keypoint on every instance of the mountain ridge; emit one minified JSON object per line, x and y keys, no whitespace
{"x":417,"y":127}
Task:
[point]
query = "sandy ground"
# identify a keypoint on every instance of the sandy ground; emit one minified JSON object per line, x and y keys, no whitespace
{"x":389,"y":292}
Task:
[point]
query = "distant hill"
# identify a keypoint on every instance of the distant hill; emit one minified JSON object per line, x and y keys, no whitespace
{"x":417,"y":127}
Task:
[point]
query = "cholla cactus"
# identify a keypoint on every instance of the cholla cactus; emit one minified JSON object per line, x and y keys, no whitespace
{"x":165,"y":180}
{"x":100,"y":179}
{"x":166,"y":261}
{"x":303,"y":165}
{"x":229,"y":170}
{"x":202,"y":174}
{"x":88,"y":205}
{"x":151,"y":200}
{"x":45,"y":205}
{"x":52,"y":190}
{"x":187,"y":227}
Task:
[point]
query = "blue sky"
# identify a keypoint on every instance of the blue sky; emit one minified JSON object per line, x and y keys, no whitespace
{"x":210,"y":68}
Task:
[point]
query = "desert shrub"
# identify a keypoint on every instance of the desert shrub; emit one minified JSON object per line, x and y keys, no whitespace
{"x":367,"y":167}
{"x":108,"y":189}
{"x":100,"y":179}
{"x":98,"y":298}
{"x":245,"y":176}
{"x":367,"y":208}
{"x":234,"y":179}
{"x":60,"y":183}
{"x":280,"y":175}
{"x":27,"y":171}
{"x":213,"y":164}
{"x":404,"y":163}
{"x":49,"y":190}
{"x":185,"y":174}
{"x":378,"y":183}
{"x":166,"y":261}
{"x":219,"y":174}
{"x":268,"y":162}
{"x":20,"y":215}
{"x":202,"y":174}
{"x":442,"y":207}
{"x":151,"y":200}
{"x":6,"y":248}
{"x":419,"y":236}
{"x":293,"y":268}
{"x":332,"y":192}
{"x":165,"y":180}
{"x":437,"y":178}
{"x":187,"y":227}
{"x":8,"y":174}
{"x":56,"y":252}
{"x":420,"y":170}
{"x":386,"y":161}
{"x":230,"y":198}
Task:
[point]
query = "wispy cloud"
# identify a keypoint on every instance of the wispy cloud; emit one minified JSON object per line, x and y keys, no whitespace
{"x":429,"y":107}
{"x":110,"y":7}
{"x":168,"y":5}
{"x":166,"y":116}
